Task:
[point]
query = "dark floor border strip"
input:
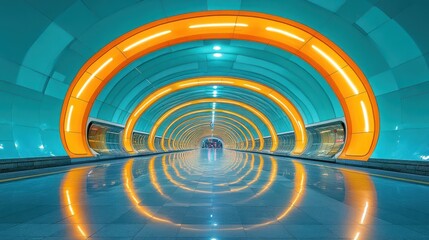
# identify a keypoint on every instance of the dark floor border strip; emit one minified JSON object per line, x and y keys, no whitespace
{"x":404,"y":166}
{"x":22,"y":164}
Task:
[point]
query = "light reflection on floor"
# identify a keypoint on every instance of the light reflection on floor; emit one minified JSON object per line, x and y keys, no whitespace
{"x":213,"y":194}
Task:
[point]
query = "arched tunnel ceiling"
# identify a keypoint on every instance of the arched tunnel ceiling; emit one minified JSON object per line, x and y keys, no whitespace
{"x":287,"y":74}
{"x":206,"y":117}
{"x":39,"y":63}
{"x":219,"y":106}
{"x":263,"y":104}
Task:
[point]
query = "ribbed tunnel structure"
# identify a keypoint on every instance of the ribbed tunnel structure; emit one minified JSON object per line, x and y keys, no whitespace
{"x":333,"y":81}
{"x":359,"y":66}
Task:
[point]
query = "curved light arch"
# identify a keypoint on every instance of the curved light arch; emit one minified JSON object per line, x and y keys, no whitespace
{"x":198,"y":134}
{"x":189,"y":127}
{"x":226,"y":125}
{"x":255,"y":111}
{"x":342,"y":74}
{"x":203,"y":134}
{"x":252,"y":139}
{"x":211,"y":137}
{"x":194,"y":137}
{"x":183,"y":133}
{"x":282,"y":102}
{"x":235,"y":136}
{"x":244,"y":146}
{"x":258,"y":132}
{"x":188,"y":139}
{"x":220,"y":117}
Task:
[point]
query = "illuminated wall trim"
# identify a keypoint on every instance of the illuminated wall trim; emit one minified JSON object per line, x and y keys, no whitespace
{"x":237,"y":132}
{"x":239,"y":135}
{"x":160,"y":120}
{"x":221,"y":117}
{"x":283,"y":103}
{"x":187,"y":127}
{"x":258,"y":132}
{"x":200,"y":134}
{"x":199,"y":117}
{"x":197,"y":137}
{"x":342,"y":74}
{"x":229,"y":132}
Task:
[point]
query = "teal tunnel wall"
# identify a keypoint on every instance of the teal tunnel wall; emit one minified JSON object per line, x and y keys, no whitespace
{"x":45,"y":43}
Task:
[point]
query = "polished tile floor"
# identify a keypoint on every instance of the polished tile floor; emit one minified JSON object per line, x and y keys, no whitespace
{"x":213,"y":194}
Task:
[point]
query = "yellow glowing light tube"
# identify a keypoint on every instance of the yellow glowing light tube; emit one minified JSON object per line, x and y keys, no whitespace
{"x":189,"y":126}
{"x":283,"y":103}
{"x":259,"y":114}
{"x":258,"y":132}
{"x":236,"y":139}
{"x":193,"y":138}
{"x":226,"y":129}
{"x":197,"y":136}
{"x":188,"y":142}
{"x":247,"y":130}
{"x":225,"y":126}
{"x":255,"y":111}
{"x":201,"y":133}
{"x":341,"y":73}
{"x":186,"y":139}
{"x":219,"y":117}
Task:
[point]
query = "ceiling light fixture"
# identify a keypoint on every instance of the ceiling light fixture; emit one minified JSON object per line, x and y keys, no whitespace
{"x":217,"y":55}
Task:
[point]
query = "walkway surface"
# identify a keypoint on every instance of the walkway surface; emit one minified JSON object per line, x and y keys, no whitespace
{"x":213,"y":194}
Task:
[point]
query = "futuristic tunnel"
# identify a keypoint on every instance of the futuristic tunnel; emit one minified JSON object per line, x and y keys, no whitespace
{"x":131,"y":119}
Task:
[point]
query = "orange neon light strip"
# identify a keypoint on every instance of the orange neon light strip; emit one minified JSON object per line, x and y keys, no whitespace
{"x":186,"y":129}
{"x":287,"y":107}
{"x":201,"y":133}
{"x":234,"y":136}
{"x":128,"y":143}
{"x":258,"y":132}
{"x":221,"y":130}
{"x":328,"y":59}
{"x":221,"y":117}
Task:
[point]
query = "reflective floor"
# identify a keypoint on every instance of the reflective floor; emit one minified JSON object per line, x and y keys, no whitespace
{"x":214,"y":194}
